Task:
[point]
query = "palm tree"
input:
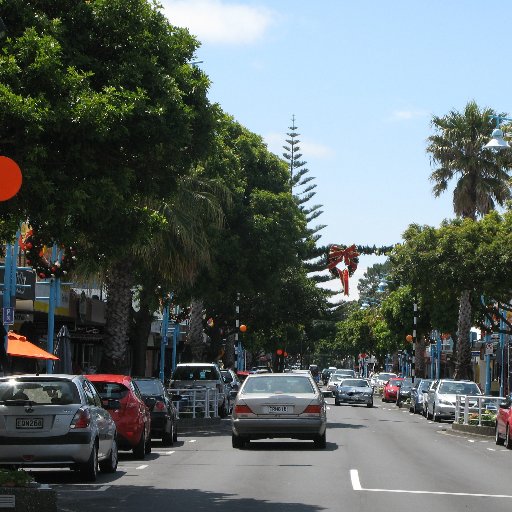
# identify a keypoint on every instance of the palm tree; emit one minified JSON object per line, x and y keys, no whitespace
{"x":172,"y":257}
{"x":456,"y":150}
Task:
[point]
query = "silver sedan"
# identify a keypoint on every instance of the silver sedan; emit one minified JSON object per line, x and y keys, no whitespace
{"x":279,"y":405}
{"x":354,"y":391}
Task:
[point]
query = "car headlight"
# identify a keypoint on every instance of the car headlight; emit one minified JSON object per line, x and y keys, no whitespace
{"x":444,"y":402}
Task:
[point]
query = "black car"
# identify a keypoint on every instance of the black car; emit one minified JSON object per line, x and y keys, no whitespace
{"x":418,"y":395}
{"x":164,"y":418}
{"x":404,"y":391}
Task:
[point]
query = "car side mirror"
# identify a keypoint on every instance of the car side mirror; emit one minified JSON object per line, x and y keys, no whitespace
{"x":111,"y":404}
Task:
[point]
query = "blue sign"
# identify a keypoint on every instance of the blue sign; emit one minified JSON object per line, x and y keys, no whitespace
{"x":8,"y":316}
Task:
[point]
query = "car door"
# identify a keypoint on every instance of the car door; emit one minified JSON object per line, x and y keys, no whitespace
{"x":432,"y":393}
{"x":101,"y":418}
{"x":143,"y":410}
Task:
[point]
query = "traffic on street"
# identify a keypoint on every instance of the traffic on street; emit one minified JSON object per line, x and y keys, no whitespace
{"x":378,"y":458}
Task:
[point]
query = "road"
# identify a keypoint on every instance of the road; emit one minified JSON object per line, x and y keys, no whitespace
{"x":376,"y":459}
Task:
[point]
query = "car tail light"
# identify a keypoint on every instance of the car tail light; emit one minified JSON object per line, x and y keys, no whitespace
{"x":242,"y":409}
{"x":160,"y":407}
{"x":313,"y":409}
{"x":82,"y":419}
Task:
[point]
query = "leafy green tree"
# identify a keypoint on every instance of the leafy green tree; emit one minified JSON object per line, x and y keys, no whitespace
{"x":100,"y":107}
{"x":456,"y":150}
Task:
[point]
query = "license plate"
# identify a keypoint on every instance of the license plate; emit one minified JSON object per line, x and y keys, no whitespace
{"x":278,"y":409}
{"x":29,"y":423}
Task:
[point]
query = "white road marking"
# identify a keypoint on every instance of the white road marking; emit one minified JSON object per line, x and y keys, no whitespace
{"x":471,"y":440}
{"x":144,"y":466}
{"x":103,"y":488}
{"x":491,"y":449}
{"x":192,"y":441}
{"x":356,"y":486}
{"x":164,"y":452}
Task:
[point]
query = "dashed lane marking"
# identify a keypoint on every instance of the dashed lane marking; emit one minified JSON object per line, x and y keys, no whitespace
{"x":144,"y":466}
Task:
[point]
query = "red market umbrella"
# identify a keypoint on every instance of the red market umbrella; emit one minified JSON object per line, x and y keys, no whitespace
{"x":19,"y":346}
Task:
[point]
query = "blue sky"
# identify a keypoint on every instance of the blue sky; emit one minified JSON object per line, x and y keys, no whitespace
{"x":363,"y":80}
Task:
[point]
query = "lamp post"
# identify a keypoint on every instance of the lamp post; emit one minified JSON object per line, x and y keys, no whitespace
{"x":497,"y":141}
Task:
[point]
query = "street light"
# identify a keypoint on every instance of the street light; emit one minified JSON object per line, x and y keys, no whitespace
{"x":497,"y":141}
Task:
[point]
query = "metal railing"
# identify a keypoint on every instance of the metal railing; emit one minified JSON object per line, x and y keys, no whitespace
{"x":481,"y":405}
{"x":197,"y":402}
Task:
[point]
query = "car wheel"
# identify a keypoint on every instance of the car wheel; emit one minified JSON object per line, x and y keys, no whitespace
{"x":320,"y":441}
{"x":435,"y":416}
{"x":89,"y":469}
{"x":508,"y":441}
{"x":398,"y":403}
{"x":237,"y":441}
{"x":147,"y":445}
{"x":139,"y":451}
{"x":168,"y":437}
{"x":223,"y":411}
{"x":109,"y":465}
{"x":497,"y":436}
{"x":175,"y":433}
{"x":370,"y":404}
{"x":336,"y":401}
{"x":429,"y":417}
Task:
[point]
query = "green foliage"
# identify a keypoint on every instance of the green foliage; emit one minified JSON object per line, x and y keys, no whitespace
{"x":15,"y":478}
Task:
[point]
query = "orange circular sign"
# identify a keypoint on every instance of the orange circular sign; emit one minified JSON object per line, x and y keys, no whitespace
{"x":10,"y":178}
{"x":243,"y":328}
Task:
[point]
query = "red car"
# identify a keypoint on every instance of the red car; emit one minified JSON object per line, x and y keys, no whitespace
{"x":132,"y":418}
{"x":390,"y":390}
{"x":504,"y":423}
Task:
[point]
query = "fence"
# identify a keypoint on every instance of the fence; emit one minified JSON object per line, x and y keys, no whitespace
{"x":476,"y":409}
{"x":197,"y":402}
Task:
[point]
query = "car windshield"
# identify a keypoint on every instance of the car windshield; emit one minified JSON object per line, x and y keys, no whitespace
{"x":424,"y":384}
{"x":356,"y":383}
{"x":195,"y":373}
{"x":278,"y":385}
{"x":337,"y":378}
{"x":149,"y":387}
{"x":386,"y":376}
{"x":111,"y":390}
{"x":459,"y":388}
{"x":395,"y":382}
{"x":44,"y":392}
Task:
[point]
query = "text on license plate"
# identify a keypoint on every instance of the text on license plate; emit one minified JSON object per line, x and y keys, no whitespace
{"x":29,"y":422}
{"x":278,"y":409}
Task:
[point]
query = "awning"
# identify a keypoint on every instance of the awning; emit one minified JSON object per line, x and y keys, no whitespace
{"x":19,"y":346}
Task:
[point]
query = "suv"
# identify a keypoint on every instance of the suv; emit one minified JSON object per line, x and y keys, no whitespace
{"x":442,"y":397}
{"x":202,"y":375}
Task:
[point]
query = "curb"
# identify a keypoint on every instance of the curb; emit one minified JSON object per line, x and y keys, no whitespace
{"x":474,"y":429}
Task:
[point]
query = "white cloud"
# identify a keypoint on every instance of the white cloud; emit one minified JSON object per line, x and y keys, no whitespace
{"x":217,"y":21}
{"x":276,"y":141}
{"x":406,"y":115}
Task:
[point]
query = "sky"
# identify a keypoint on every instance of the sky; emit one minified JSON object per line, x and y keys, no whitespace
{"x":363,"y":80}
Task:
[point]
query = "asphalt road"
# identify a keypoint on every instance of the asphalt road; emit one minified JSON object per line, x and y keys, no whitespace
{"x":380,"y":459}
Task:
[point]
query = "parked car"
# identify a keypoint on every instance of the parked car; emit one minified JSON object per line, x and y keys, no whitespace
{"x":232,"y":382}
{"x":418,"y":394}
{"x":504,"y":423}
{"x":404,"y":391}
{"x":202,"y":375}
{"x":354,"y":391}
{"x":164,"y":417}
{"x":132,"y":417}
{"x":442,"y":397}
{"x":390,"y":389}
{"x":56,"y":420}
{"x":279,"y":405}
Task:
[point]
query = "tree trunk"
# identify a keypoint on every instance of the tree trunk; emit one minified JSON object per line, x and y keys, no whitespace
{"x":463,"y":368}
{"x":195,"y":338}
{"x":140,"y":335}
{"x":119,"y":282}
{"x":420,"y":358}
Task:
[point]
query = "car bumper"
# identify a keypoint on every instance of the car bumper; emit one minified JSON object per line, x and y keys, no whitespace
{"x":69,"y":449}
{"x":355,"y":399}
{"x":279,"y":427}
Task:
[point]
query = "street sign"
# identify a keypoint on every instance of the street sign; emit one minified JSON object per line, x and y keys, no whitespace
{"x":475,"y":353}
{"x":489,"y":349}
{"x":8,"y":316}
